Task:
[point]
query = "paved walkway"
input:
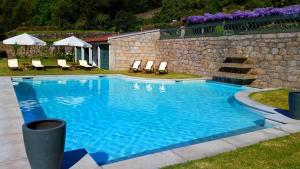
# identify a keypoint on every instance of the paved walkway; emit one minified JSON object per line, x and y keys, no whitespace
{"x":12,"y":150}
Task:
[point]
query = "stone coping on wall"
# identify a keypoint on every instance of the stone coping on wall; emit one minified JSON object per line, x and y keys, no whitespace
{"x":15,"y":157}
{"x":243,"y":37}
{"x":133,"y":34}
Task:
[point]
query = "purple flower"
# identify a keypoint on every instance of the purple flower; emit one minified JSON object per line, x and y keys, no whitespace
{"x":258,"y":12}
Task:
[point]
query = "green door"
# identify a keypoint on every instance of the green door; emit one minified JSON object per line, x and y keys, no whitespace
{"x":78,"y":52}
{"x":86,"y":55}
{"x":104,"y":57}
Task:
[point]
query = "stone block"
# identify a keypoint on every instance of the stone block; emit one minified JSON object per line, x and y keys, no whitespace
{"x":274,"y":51}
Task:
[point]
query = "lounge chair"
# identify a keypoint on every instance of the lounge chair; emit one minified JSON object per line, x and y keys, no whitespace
{"x":62,"y":64}
{"x":13,"y":64}
{"x":37,"y":64}
{"x":163,"y":68}
{"x":149,"y":68}
{"x":83,"y":63}
{"x":136,"y":66}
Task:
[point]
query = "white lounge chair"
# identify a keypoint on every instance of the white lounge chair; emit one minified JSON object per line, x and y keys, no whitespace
{"x":13,"y":64}
{"x":37,"y":64}
{"x":136,"y":66}
{"x":83,"y":63}
{"x":149,"y":68}
{"x":63,"y":64}
{"x":163,"y":67}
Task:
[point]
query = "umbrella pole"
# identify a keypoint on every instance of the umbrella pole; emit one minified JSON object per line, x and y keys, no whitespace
{"x":25,"y":51}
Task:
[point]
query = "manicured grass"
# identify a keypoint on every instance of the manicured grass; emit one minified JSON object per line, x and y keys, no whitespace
{"x":4,"y":71}
{"x":275,"y":98}
{"x":282,"y":153}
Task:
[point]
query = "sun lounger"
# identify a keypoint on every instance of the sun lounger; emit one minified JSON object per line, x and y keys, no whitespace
{"x":149,"y":68}
{"x":37,"y":64}
{"x":136,"y":66}
{"x":62,"y":64}
{"x":83,"y":63}
{"x":13,"y":64}
{"x":163,"y":67}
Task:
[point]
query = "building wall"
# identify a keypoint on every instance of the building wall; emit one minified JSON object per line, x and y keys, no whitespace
{"x":276,"y":57}
{"x":125,"y":49}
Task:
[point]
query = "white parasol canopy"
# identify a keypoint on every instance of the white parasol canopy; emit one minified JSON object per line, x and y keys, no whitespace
{"x":25,"y":40}
{"x":72,"y":41}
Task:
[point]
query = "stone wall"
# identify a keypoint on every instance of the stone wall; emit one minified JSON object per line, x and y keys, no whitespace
{"x":276,"y":57}
{"x":33,"y":51}
{"x":124,"y":49}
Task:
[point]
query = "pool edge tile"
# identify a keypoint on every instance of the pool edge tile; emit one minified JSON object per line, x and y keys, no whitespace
{"x":202,"y":150}
{"x":151,"y":161}
{"x":87,"y":162}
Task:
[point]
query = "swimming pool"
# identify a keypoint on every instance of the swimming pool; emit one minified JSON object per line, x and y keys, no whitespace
{"x":116,"y":118}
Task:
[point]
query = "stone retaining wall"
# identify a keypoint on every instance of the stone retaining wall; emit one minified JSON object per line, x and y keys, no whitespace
{"x":125,"y":49}
{"x":32,"y":51}
{"x":276,"y":57}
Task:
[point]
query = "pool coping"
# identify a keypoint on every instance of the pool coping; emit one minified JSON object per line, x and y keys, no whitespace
{"x":11,"y":138}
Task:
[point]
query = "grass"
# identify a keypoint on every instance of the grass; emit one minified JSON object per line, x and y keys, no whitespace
{"x":4,"y":71}
{"x":281,"y":153}
{"x":275,"y":98}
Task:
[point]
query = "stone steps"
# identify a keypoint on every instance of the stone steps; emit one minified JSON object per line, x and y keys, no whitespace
{"x":235,"y":76}
{"x":237,"y":65}
{"x":235,"y":69}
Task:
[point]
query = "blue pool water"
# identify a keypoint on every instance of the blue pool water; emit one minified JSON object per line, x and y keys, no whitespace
{"x":115,"y":118}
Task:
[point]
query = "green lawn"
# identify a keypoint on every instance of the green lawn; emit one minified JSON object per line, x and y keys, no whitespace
{"x":281,"y":153}
{"x":4,"y":71}
{"x":275,"y":98}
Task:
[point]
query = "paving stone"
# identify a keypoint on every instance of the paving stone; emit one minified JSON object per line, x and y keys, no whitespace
{"x":202,"y":150}
{"x":86,"y":163}
{"x":247,"y":139}
{"x":290,"y":128}
{"x":11,"y":126}
{"x":16,"y":164}
{"x":274,"y":133}
{"x":12,"y":149}
{"x":10,"y":112}
{"x":11,"y":138}
{"x":152,"y":161}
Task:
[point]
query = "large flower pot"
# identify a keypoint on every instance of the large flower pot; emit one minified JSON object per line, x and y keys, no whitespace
{"x":294,"y":104}
{"x":44,"y":143}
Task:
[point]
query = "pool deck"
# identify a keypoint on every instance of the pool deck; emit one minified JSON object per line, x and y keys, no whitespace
{"x":13,"y":155}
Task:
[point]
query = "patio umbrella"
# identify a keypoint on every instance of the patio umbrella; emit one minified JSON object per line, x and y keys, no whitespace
{"x":72,"y":41}
{"x":24,"y":40}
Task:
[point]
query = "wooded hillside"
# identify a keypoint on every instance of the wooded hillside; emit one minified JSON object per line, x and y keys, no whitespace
{"x":113,"y":15}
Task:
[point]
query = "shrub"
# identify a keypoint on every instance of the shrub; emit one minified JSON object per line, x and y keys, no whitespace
{"x":3,"y":54}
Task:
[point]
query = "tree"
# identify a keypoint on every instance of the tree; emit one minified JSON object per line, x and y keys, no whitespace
{"x":126,"y":21}
{"x":16,"y":48}
{"x":21,"y":12}
{"x":65,"y":13}
{"x":42,"y":10}
{"x":102,"y":21}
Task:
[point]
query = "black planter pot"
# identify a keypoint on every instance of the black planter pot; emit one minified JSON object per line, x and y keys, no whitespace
{"x":44,"y":143}
{"x":294,"y":104}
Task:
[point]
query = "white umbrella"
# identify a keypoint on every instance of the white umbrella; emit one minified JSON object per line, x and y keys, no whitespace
{"x":72,"y":41}
{"x":25,"y":40}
